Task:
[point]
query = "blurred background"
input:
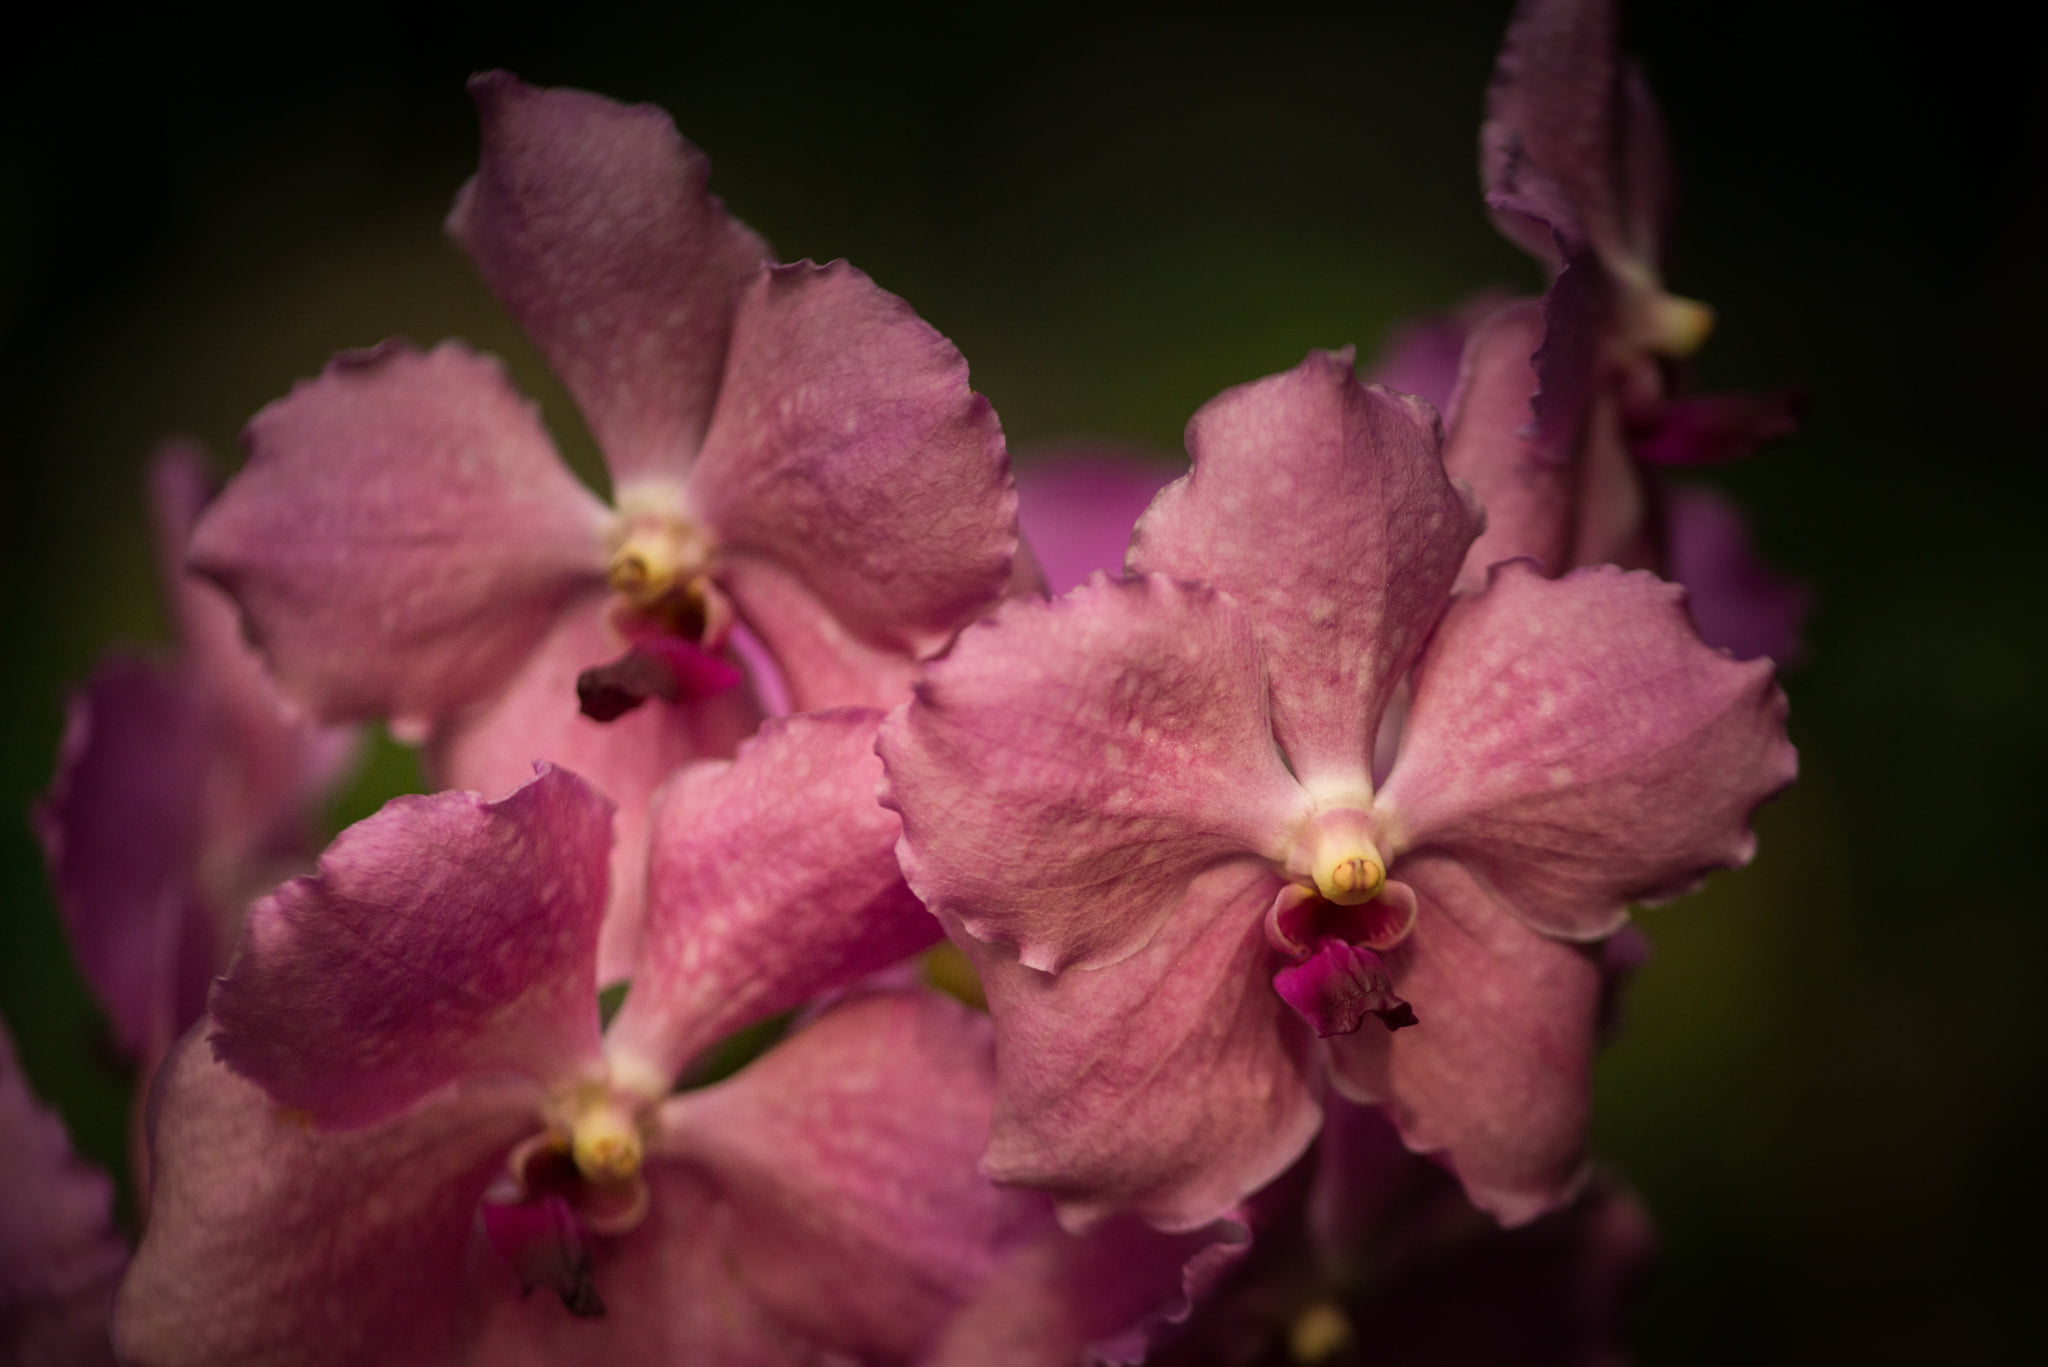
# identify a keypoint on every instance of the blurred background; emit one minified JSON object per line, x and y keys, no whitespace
{"x":1829,"y":1089}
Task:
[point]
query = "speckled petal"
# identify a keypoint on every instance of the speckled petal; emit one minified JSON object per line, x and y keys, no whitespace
{"x":772,"y":879}
{"x":443,"y":938}
{"x":401,"y":535}
{"x":592,"y":222}
{"x":848,"y":449}
{"x":1076,"y":507}
{"x":1069,"y":767}
{"x":1172,"y":1084}
{"x":1528,"y":490}
{"x":1496,"y":1076}
{"x":59,"y":1254}
{"x":853,"y":1145}
{"x":273,"y":1246}
{"x":492,"y":749}
{"x":1575,"y":745}
{"x":1321,"y":505}
{"x":1743,"y":604}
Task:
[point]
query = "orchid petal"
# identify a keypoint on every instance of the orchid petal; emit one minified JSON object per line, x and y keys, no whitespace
{"x":1550,"y":147}
{"x":816,"y":659}
{"x":772,"y":879}
{"x":1708,"y":429}
{"x":401,"y":535}
{"x":1579,"y":749}
{"x":1321,"y":505}
{"x":1528,"y":491}
{"x":1743,"y":604}
{"x":1069,"y":767}
{"x":59,"y":1254}
{"x":1076,"y":509}
{"x":443,"y":938}
{"x":592,"y":222}
{"x":122,"y":829}
{"x":848,"y":450}
{"x":670,"y":1296}
{"x":268,"y":1244}
{"x":852,"y":1145}
{"x":1497,"y":1076}
{"x":1339,"y":986}
{"x":1171,"y":1084}
{"x":492,"y":750}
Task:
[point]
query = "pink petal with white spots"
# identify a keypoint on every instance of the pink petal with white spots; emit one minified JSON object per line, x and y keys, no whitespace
{"x":592,"y":222}
{"x":1070,"y":767}
{"x":402,"y":534}
{"x":1577,"y":748}
{"x":772,"y":879}
{"x":1320,"y":505}
{"x":444,"y":938}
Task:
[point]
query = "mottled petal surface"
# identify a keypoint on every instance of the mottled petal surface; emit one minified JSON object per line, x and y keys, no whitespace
{"x":1077,"y":506}
{"x":1172,"y":1083}
{"x":270,"y":1245}
{"x":59,"y":1254}
{"x":444,"y":938}
{"x":1743,"y":604}
{"x":1527,"y":490}
{"x":1069,"y":767}
{"x":122,"y":828}
{"x":669,"y":1290}
{"x":772,"y":879}
{"x":1575,"y":745}
{"x":853,"y":1145}
{"x":818,"y":661}
{"x":848,"y":449}
{"x":592,"y":222}
{"x":401,"y":535}
{"x":1321,"y":505}
{"x":1496,"y":1076}
{"x":492,"y":749}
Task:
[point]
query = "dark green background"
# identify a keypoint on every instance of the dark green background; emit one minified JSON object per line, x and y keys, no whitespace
{"x":1829,"y":1090}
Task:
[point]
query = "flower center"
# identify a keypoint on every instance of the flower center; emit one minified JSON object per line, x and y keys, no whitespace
{"x":605,"y":1141}
{"x":1342,"y":859}
{"x":660,"y":563}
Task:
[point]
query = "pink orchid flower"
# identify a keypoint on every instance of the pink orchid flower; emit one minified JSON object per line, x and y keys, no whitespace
{"x":184,"y":788}
{"x":1149,"y":812}
{"x":791,"y":449}
{"x":60,"y":1256}
{"x":413,"y":1114}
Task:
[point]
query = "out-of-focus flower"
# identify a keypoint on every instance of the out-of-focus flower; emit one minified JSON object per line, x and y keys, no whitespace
{"x":184,"y":789}
{"x":1076,"y":506}
{"x":1368,"y":1254}
{"x":1138,"y":806}
{"x":59,"y":1254}
{"x":790,"y":448}
{"x":409,"y":1047}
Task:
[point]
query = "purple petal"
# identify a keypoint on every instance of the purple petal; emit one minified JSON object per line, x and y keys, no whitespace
{"x":492,"y":750}
{"x":848,"y":450}
{"x":268,"y":1243}
{"x":1069,"y":767}
{"x":1099,"y":1297}
{"x":1321,"y":506}
{"x":1579,"y":749}
{"x":443,"y":938}
{"x":592,"y":222}
{"x":1339,"y":986}
{"x":122,"y":830}
{"x":664,"y":667}
{"x":1172,"y":1083}
{"x":1527,"y":489}
{"x":1076,"y":508}
{"x":1550,"y":148}
{"x":401,"y":535}
{"x":1707,"y":429}
{"x":1497,"y":1076}
{"x":669,"y":1290}
{"x":1423,"y":356}
{"x":853,"y":1145}
{"x":772,"y":879}
{"x":59,"y":1254}
{"x":1743,"y":604}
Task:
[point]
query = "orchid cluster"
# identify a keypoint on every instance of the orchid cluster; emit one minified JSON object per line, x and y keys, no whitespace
{"x":826,"y":946}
